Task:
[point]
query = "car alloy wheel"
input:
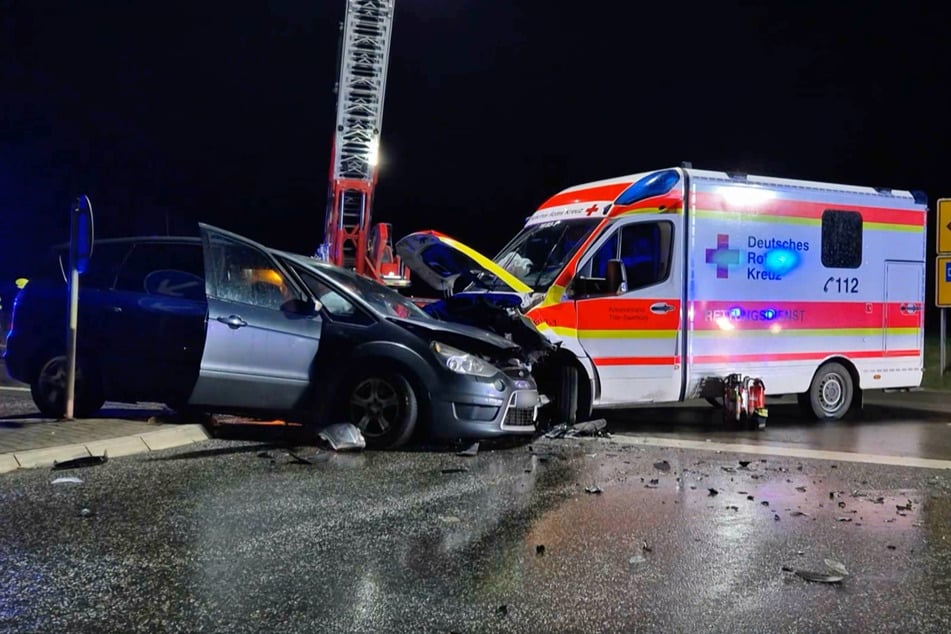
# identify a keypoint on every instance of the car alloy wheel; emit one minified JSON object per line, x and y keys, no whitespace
{"x":384,"y":407}
{"x":49,"y":389}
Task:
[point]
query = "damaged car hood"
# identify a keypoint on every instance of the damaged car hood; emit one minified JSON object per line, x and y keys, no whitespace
{"x":494,"y":300}
{"x":468,"y":338}
{"x":440,"y":261}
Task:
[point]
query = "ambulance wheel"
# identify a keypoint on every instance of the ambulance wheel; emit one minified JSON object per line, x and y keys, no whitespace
{"x":830,"y":394}
{"x":568,"y":395}
{"x":574,"y":394}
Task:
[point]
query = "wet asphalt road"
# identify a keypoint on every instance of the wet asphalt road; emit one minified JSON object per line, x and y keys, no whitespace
{"x":239,"y":537}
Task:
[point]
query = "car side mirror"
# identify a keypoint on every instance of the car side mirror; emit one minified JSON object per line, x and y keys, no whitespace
{"x":615,"y":277}
{"x":305,"y":307}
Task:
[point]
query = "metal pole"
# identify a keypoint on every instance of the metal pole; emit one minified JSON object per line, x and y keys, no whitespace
{"x":71,"y":340}
{"x":941,"y":362}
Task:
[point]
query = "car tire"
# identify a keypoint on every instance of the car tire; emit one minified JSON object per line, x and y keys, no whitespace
{"x":830,"y":394}
{"x":383,"y":405}
{"x":49,"y":389}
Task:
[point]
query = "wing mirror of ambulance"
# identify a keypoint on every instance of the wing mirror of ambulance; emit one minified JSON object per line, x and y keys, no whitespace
{"x":614,"y":282}
{"x":616,"y":278}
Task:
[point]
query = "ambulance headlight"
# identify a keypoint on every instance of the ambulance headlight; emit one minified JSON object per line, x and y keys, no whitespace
{"x":462,"y":362}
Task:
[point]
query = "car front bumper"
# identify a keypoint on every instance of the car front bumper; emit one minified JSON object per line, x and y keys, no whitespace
{"x":473,"y":409}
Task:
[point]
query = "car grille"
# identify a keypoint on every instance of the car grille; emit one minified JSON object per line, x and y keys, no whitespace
{"x":520,"y":418}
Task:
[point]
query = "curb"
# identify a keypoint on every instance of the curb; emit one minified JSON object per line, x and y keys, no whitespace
{"x":113,"y":447}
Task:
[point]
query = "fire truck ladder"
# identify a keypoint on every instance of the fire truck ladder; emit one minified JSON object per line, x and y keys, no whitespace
{"x":364,"y":58}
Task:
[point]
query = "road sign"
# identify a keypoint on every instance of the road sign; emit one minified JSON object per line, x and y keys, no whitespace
{"x":944,"y":225}
{"x":943,"y":282}
{"x":81,"y":234}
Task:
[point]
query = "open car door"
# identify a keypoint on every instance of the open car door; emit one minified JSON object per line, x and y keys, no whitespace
{"x":262,"y":329}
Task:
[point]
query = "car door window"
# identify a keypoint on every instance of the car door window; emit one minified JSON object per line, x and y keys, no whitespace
{"x":339,"y":307}
{"x":174,"y":270}
{"x":243,"y":274}
{"x":644,"y":248}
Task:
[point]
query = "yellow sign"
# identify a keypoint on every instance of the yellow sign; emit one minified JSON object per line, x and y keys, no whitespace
{"x":942,"y":296}
{"x":944,"y":225}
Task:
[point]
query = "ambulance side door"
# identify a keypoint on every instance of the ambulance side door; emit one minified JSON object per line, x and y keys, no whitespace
{"x":633,"y":336}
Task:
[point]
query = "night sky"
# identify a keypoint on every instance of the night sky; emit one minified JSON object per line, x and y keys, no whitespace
{"x":168,"y":113}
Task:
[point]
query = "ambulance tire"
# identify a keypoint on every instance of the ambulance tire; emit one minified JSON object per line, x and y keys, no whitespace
{"x":830,"y":394}
{"x":568,"y":394}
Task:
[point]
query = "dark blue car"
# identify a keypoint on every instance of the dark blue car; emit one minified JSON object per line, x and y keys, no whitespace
{"x":223,"y":324}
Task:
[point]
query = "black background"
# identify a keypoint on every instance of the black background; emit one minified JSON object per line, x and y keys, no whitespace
{"x":168,"y":113}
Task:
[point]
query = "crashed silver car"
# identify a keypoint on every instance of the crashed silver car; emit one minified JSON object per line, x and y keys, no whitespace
{"x":224,"y":324}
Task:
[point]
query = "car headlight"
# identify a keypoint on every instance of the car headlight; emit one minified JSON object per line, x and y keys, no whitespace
{"x":463,"y":362}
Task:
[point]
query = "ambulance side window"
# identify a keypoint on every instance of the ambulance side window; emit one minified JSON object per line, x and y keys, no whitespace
{"x":645,"y":250}
{"x":841,"y":239}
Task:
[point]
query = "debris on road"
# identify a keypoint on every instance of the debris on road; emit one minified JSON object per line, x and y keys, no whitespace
{"x":732,"y":507}
{"x":836,"y":566}
{"x":85,"y":512}
{"x":744,"y":464}
{"x":540,"y":550}
{"x":837,"y":574}
{"x":593,"y":489}
{"x":713,"y":491}
{"x":818,"y":577}
{"x":904,"y":507}
{"x":597,"y":427}
{"x":801,"y":489}
{"x":470,"y":451}
{"x":67,"y":480}
{"x":502,"y":610}
{"x":82,"y":462}
{"x":637,"y":559}
{"x":454,"y":469}
{"x":297,"y":459}
{"x":343,"y":437}
{"x":798,"y":514}
{"x":663,"y":465}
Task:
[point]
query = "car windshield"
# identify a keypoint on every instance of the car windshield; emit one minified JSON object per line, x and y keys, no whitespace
{"x":538,"y":254}
{"x":382,"y":298}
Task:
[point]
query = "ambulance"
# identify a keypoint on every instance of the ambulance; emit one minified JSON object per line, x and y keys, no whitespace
{"x":667,"y":285}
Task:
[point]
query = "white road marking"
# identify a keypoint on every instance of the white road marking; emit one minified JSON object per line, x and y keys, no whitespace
{"x":14,"y":388}
{"x":789,"y":452}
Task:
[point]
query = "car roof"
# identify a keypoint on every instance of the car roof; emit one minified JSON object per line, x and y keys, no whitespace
{"x":139,"y":239}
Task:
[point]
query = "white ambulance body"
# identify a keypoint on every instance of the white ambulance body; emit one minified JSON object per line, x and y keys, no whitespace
{"x":815,"y":288}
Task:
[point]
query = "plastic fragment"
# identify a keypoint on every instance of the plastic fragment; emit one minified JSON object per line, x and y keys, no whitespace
{"x":343,"y":436}
{"x":819,"y":577}
{"x":67,"y":480}
{"x":469,"y":451}
{"x":836,"y":566}
{"x":593,"y":489}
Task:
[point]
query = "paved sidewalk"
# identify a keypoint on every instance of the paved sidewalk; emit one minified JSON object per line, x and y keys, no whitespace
{"x":27,"y":442}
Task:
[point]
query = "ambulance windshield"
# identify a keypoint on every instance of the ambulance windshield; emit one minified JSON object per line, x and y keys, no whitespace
{"x":538,"y":254}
